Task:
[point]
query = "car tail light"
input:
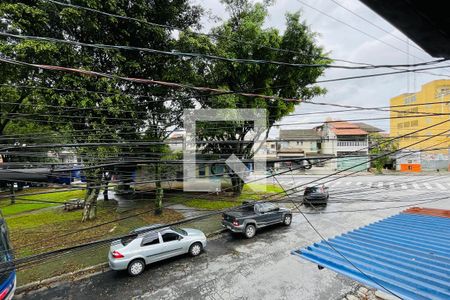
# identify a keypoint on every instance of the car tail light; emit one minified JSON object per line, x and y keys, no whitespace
{"x":236,"y":223}
{"x":117,"y":254}
{"x":4,"y":292}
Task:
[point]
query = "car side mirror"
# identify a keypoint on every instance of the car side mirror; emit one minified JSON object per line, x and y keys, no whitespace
{"x":180,"y":238}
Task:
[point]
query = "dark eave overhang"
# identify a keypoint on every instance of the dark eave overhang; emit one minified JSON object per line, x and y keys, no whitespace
{"x":427,"y":23}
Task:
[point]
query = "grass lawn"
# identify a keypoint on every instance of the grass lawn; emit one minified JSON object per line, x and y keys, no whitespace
{"x":22,"y":205}
{"x":251,"y":191}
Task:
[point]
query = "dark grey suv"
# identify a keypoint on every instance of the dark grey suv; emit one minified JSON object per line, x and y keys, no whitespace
{"x":316,"y":195}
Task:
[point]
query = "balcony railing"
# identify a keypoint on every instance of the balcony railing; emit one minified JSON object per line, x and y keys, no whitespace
{"x":352,"y":144}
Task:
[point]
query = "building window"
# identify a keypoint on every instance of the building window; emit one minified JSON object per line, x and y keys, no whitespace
{"x":428,"y":121}
{"x":406,"y":124}
{"x":201,"y":171}
{"x":442,"y":91}
{"x":400,"y":125}
{"x":410,"y":99}
{"x":414,"y":123}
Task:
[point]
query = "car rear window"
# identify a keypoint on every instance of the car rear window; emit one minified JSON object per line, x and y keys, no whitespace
{"x":151,"y":239}
{"x":311,"y":189}
{"x":126,"y":240}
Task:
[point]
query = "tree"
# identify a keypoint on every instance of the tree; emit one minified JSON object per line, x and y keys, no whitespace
{"x":116,"y":110}
{"x":381,"y":145}
{"x":243,"y":36}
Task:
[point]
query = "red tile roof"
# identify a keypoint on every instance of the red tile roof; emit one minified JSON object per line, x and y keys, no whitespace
{"x":346,"y":128}
{"x":428,"y":211}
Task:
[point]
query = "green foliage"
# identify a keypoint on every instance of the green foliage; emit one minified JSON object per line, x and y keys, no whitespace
{"x":381,"y":145}
{"x":25,"y":206}
{"x":244,"y":35}
{"x":117,"y":111}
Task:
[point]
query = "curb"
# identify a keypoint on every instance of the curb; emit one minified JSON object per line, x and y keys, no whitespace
{"x":216,"y":233}
{"x":48,"y":282}
{"x":82,"y":273}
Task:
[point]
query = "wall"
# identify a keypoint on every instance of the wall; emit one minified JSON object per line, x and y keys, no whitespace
{"x":434,"y":91}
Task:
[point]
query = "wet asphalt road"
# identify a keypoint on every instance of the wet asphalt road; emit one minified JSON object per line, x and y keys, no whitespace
{"x":261,"y":268}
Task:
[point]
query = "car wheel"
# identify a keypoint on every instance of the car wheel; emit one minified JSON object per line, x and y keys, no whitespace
{"x":287,"y":220}
{"x":195,"y":249}
{"x":136,"y":267}
{"x":250,"y":231}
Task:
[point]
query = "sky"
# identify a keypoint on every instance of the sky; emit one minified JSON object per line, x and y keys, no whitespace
{"x":344,"y":42}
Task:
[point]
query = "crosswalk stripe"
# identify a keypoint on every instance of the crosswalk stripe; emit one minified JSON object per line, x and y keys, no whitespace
{"x":440,"y":186}
{"x":370,"y":184}
{"x":392,"y":185}
{"x":427,"y":185}
{"x":359,"y":183}
{"x":348,"y":183}
{"x":336,"y":183}
{"x":404,"y":186}
{"x":380,"y":184}
{"x":416,"y":186}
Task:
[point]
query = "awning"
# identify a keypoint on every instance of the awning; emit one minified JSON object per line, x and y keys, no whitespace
{"x":408,"y":254}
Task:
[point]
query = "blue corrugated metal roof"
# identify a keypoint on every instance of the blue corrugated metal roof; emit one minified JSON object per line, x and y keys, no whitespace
{"x":409,"y":254}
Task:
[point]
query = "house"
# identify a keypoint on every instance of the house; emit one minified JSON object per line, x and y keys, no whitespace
{"x":348,"y":142}
{"x":297,"y":143}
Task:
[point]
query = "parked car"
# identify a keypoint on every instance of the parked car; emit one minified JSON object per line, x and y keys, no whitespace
{"x":316,"y":194}
{"x":147,"y":246}
{"x":255,"y":215}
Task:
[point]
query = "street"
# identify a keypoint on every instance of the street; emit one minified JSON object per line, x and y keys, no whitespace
{"x":263,"y":268}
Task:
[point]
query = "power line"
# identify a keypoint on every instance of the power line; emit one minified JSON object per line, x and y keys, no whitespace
{"x":212,"y":57}
{"x":337,"y":251}
{"x":44,"y":255}
{"x":150,"y":143}
{"x":185,"y":86}
{"x":372,"y":159}
{"x":191,"y":32}
{"x":379,"y":143}
{"x":373,"y":24}
{"x":356,"y":29}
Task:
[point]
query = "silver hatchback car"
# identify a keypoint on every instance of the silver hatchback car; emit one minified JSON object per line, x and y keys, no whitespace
{"x":148,"y":246}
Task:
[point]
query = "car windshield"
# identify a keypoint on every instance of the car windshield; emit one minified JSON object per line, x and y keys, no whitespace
{"x":178,"y":230}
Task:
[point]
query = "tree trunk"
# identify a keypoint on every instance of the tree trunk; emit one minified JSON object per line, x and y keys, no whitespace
{"x":105,"y":192}
{"x":159,"y":191}
{"x":90,"y":204}
{"x":237,"y":183}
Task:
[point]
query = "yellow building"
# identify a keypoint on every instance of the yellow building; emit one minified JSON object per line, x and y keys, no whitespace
{"x":429,"y":107}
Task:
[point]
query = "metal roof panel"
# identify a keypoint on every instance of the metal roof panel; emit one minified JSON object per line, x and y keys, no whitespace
{"x":408,"y":254}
